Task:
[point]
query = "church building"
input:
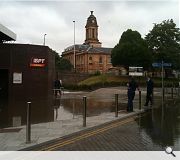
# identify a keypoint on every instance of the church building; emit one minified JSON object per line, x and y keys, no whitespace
{"x":90,"y":56}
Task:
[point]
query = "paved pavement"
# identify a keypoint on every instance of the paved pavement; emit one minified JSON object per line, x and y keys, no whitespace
{"x":118,"y":136}
{"x":15,"y":138}
{"x":10,"y":141}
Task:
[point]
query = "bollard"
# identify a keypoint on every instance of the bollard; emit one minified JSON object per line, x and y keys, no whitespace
{"x":139,"y":100}
{"x":84,"y":110}
{"x":172,"y":92}
{"x":163,"y":94}
{"x":116,"y":105}
{"x":28,"y":123}
{"x":73,"y":107}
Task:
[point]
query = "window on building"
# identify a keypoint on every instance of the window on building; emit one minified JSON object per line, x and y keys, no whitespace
{"x":90,"y":60}
{"x":93,"y":33}
{"x":100,"y":60}
{"x":109,"y":60}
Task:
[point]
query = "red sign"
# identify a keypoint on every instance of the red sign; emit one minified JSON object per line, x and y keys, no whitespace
{"x":37,"y":62}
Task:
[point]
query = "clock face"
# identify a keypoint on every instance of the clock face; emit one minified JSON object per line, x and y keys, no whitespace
{"x":92,"y":21}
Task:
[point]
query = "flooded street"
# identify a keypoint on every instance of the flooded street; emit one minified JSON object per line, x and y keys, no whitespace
{"x":160,"y":126}
{"x":71,"y":105}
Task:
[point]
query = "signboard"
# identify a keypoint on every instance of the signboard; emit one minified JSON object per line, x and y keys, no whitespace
{"x":136,"y":71}
{"x":17,"y":78}
{"x":167,"y":64}
{"x":37,"y":62}
{"x":160,"y":65}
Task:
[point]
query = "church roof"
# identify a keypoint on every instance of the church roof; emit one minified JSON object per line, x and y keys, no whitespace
{"x":87,"y":49}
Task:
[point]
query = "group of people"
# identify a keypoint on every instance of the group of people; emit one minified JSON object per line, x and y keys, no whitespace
{"x":132,"y":86}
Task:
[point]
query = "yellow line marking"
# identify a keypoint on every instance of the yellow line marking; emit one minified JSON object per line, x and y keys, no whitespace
{"x":86,"y":135}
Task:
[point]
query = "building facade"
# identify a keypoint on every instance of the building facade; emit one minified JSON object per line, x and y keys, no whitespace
{"x":90,"y":56}
{"x":26,"y":74}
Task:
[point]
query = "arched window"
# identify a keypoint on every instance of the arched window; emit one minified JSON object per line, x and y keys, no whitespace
{"x":100,"y":60}
{"x":90,"y":60}
{"x":93,"y":33}
{"x":109,"y":60}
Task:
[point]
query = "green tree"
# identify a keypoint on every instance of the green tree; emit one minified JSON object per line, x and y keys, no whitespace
{"x":62,"y":64}
{"x":164,"y":43}
{"x":131,"y":50}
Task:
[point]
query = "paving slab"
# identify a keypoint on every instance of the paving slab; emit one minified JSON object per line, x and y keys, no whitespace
{"x":43,"y":132}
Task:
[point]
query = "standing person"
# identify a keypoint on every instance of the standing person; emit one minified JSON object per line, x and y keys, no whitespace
{"x":149,"y":93}
{"x":61,"y":87}
{"x":57,"y":86}
{"x":132,"y":86}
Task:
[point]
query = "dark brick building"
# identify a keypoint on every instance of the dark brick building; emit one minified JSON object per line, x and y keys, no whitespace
{"x":26,"y":74}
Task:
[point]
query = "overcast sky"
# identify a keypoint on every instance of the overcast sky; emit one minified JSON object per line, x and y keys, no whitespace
{"x":30,"y":20}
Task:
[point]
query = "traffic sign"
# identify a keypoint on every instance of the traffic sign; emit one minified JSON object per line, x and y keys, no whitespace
{"x":167,"y":64}
{"x":160,"y":64}
{"x":156,"y":64}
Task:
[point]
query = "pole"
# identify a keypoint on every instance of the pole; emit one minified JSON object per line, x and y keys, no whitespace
{"x":74,"y":49}
{"x":44,"y":39}
{"x":28,"y":123}
{"x":162,"y":81}
{"x":116,"y":105}
{"x":73,"y":107}
{"x":84,"y":110}
{"x":172,"y":92}
{"x":139,"y":100}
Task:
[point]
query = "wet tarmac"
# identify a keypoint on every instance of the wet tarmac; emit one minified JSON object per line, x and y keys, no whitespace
{"x":70,"y":104}
{"x":154,"y":130}
{"x":160,"y":127}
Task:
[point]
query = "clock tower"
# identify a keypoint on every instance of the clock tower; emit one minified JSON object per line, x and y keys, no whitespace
{"x":92,"y":32}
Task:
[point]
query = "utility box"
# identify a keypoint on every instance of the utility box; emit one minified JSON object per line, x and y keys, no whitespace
{"x":26,"y":74}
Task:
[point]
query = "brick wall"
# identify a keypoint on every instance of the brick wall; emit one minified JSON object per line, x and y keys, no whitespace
{"x":69,"y":78}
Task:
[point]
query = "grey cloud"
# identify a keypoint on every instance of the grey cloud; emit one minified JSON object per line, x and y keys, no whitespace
{"x":30,"y":20}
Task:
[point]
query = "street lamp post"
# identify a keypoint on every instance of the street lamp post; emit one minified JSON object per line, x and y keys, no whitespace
{"x":44,"y":39}
{"x":74,"y":49}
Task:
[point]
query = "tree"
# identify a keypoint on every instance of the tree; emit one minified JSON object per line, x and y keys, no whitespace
{"x":131,"y":50}
{"x":164,"y":43}
{"x":62,"y":63}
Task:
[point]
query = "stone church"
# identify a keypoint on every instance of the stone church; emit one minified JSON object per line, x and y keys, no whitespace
{"x":90,"y":57}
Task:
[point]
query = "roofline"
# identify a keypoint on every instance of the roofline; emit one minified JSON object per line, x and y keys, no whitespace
{"x":7,"y":32}
{"x":23,"y":44}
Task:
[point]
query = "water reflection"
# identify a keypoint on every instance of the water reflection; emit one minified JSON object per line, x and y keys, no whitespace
{"x":73,"y":107}
{"x":162,"y":124}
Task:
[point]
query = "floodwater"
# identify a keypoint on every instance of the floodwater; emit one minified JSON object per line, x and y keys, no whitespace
{"x":161,"y":125}
{"x":68,"y":108}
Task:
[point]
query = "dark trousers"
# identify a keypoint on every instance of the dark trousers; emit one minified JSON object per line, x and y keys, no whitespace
{"x":149,"y":98}
{"x":57,"y":91}
{"x":131,"y":95}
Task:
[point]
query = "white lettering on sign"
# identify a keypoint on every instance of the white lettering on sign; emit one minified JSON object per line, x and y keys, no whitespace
{"x":37,"y":62}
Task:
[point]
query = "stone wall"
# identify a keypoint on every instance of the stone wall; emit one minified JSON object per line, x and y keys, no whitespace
{"x":70,"y":78}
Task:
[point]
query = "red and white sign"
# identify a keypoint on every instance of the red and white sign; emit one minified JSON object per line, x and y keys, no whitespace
{"x":37,"y":62}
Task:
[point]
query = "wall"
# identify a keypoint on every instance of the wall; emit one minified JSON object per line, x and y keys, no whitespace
{"x":37,"y":82}
{"x":72,"y":78}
